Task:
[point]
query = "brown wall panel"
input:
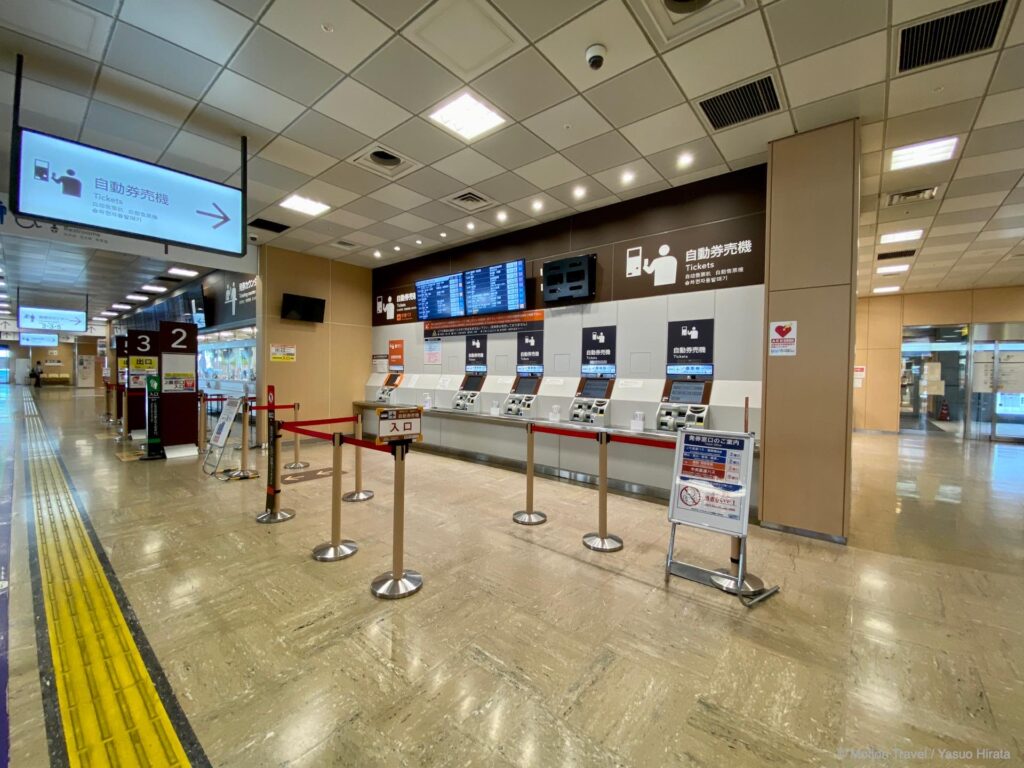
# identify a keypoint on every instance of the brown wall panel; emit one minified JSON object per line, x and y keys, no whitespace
{"x":945,"y":308}
{"x":884,"y":326}
{"x":882,"y":389}
{"x":999,"y":305}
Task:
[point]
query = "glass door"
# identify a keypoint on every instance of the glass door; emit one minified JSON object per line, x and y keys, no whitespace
{"x":1008,"y":391}
{"x":933,"y":379}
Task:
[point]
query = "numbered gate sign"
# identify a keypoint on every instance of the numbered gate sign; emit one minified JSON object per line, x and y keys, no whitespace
{"x":399,"y":424}
{"x":711,"y":489}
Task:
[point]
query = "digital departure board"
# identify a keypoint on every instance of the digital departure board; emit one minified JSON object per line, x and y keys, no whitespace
{"x":686,"y":392}
{"x":440,"y":297}
{"x":494,"y":289}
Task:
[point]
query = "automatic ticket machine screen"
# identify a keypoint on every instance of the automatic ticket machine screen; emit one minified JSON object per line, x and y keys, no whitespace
{"x":392,"y":380}
{"x":527,"y":386}
{"x":473,"y":383}
{"x":594,"y":388}
{"x":686,"y":392}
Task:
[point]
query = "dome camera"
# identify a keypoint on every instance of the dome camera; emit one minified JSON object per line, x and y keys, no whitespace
{"x":595,"y":56}
{"x":253,"y":239}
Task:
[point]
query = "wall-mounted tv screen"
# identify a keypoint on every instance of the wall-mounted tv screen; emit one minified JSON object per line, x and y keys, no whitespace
{"x":307,"y":308}
{"x":37,"y":339}
{"x":43,"y":319}
{"x":440,"y":297}
{"x":497,"y":288}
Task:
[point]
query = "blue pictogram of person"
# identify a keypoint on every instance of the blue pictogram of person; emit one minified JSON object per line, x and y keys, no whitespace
{"x":70,"y":184}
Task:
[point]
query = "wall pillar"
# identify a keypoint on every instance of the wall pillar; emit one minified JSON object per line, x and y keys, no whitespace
{"x":810,"y":278}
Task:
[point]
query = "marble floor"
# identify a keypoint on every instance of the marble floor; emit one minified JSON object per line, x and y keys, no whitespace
{"x":524,"y":648}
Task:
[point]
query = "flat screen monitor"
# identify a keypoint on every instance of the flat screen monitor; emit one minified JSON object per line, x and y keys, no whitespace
{"x":307,"y":308}
{"x":494,"y":289}
{"x":392,"y":380}
{"x":594,"y":388}
{"x":37,"y":339}
{"x":603,"y":371}
{"x":64,"y":181}
{"x":440,"y":297}
{"x":42,"y":319}
{"x":527,"y":386}
{"x":691,"y":371}
{"x":473,"y":383}
{"x":686,"y":392}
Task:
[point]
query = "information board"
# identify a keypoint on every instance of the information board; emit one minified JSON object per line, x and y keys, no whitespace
{"x":43,"y":319}
{"x":38,"y":339}
{"x":64,"y":181}
{"x":711,"y":489}
{"x":494,"y":289}
{"x":440,"y":297}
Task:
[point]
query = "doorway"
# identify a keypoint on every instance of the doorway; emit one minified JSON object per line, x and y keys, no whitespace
{"x":997,"y":400}
{"x":933,"y":379}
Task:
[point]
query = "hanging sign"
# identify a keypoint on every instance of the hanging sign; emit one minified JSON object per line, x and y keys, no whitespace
{"x":396,"y":355}
{"x":476,"y":354}
{"x":782,"y":338}
{"x":691,"y":342}
{"x":711,"y":489}
{"x":530,"y":353}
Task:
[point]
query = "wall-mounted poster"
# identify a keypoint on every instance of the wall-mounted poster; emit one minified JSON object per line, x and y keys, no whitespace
{"x":179,"y":373}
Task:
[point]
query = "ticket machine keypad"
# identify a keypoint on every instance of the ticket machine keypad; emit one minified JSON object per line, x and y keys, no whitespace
{"x":673,"y":417}
{"x":518,"y":405}
{"x":466,"y":401}
{"x":585,"y":410}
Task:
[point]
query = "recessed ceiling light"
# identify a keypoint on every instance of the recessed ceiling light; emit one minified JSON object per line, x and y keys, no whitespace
{"x":100,"y":319}
{"x":398,"y":247}
{"x":537,"y":205}
{"x":579,"y":192}
{"x":685,"y":160}
{"x":467,"y":117}
{"x":4,"y":296}
{"x":153,"y":288}
{"x":901,"y":237}
{"x":470,"y":226}
{"x":892,"y":269}
{"x":886,"y":289}
{"x":182,"y":272}
{"x":419,"y":242}
{"x":109,"y":314}
{"x":922,"y":154}
{"x":628,"y":177}
{"x":120,"y":306}
{"x":502,"y":216}
{"x":326,"y":27}
{"x":444,"y":234}
{"x":304,"y":205}
{"x":137,"y":297}
{"x":376,"y":254}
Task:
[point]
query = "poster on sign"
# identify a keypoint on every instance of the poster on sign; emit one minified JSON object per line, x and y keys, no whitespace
{"x":782,"y":338}
{"x":396,"y":355}
{"x":691,"y":342}
{"x":711,"y":489}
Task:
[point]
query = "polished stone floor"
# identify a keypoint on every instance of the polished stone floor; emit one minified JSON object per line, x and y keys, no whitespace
{"x":526,"y":649}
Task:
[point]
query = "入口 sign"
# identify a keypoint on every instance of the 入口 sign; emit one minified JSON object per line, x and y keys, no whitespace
{"x":782,"y":338}
{"x":395,"y":424}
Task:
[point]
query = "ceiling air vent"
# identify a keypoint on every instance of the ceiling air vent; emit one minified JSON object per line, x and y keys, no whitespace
{"x":741,"y":104}
{"x":896,"y":255}
{"x":345,"y":245}
{"x":951,"y":36}
{"x":384,"y":161}
{"x":912,"y":196}
{"x":470,"y":200}
{"x":267,"y":224}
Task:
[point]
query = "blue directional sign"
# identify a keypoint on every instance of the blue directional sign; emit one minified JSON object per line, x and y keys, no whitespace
{"x":37,"y":339}
{"x":65,"y":181}
{"x":44,"y":319}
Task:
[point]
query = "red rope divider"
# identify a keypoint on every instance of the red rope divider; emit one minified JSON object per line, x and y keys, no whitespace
{"x":314,"y":422}
{"x":273,"y":407}
{"x":650,"y":443}
{"x":367,"y":444}
{"x":563,"y":432}
{"x":307,"y":432}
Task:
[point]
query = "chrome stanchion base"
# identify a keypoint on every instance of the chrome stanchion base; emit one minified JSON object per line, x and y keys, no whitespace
{"x":387,"y":587}
{"x":280,"y":516}
{"x":594,"y":541}
{"x":329,"y":553}
{"x":363,"y":495}
{"x":240,"y":474}
{"x":529,"y":518}
{"x":297,"y":465}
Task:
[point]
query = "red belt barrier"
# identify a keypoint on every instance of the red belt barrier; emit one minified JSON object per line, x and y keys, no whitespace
{"x":307,"y":432}
{"x":216,"y":399}
{"x":563,"y":432}
{"x":314,"y":422}
{"x":367,"y":444}
{"x":642,"y":441}
{"x":274,"y":407}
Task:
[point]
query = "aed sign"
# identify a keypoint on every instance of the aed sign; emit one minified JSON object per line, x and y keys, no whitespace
{"x":398,"y":424}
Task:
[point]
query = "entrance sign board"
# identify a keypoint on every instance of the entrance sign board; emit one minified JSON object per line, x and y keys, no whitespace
{"x":399,"y":424}
{"x":42,"y":319}
{"x":64,"y":181}
{"x":711,"y":488}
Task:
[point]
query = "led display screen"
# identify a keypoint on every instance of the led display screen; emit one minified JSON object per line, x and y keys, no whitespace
{"x":594,"y":388}
{"x":691,"y":370}
{"x":498,"y":288}
{"x":686,"y":392}
{"x":37,"y":339}
{"x":440,"y":297}
{"x":602,"y":370}
{"x":42,"y":319}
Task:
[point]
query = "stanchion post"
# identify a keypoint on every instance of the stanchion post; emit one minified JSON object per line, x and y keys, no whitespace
{"x":272,"y":512}
{"x":202,"y":422}
{"x":398,"y":582}
{"x":126,"y":435}
{"x":107,"y":417}
{"x":296,"y":462}
{"x":736,"y":545}
{"x":602,"y":541}
{"x":529,"y":516}
{"x":244,"y":472}
{"x":337,"y":548}
{"x":360,"y":493}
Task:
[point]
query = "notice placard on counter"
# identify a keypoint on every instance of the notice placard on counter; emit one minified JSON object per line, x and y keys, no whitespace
{"x":711,"y":489}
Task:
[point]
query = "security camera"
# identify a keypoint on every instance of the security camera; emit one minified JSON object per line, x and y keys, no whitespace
{"x":595,"y":56}
{"x":253,"y":239}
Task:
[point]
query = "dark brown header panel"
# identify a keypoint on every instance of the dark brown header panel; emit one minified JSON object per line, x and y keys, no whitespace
{"x":701,"y":236}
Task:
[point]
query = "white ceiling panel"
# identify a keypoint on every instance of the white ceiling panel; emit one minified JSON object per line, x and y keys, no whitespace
{"x":355,"y":105}
{"x":843,"y":68}
{"x":252,"y":101}
{"x":202,"y":26}
{"x":338,"y":31}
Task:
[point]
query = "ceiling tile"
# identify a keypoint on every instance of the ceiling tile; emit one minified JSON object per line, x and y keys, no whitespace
{"x":291,"y":154}
{"x":996,"y":138}
{"x":636,"y":94}
{"x":353,"y":34}
{"x":506,"y":187}
{"x":868,"y":104}
{"x":962,"y":217}
{"x":355,"y":105}
{"x":250,"y":8}
{"x":992,"y":163}
{"x":188,"y":149}
{"x":601,"y":152}
{"x":135,"y":95}
{"x":325,"y":135}
{"x":432,"y":183}
{"x":966,"y":202}
{"x":549,"y":171}
{"x":410,"y":222}
{"x":272,"y":61}
{"x":1009,"y":74}
{"x":399,"y":196}
{"x":617,"y":180}
{"x":802,"y":27}
{"x":108,"y":7}
{"x":871,"y":137}
{"x":364,"y":238}
{"x":437,"y":212}
{"x":266,"y":172}
{"x":702,"y":154}
{"x":348,"y":219}
{"x":946,"y":120}
{"x":386,"y":231}
{"x":406,"y":76}
{"x":940,"y":85}
{"x":713,"y":60}
{"x":568,"y":123}
{"x":503,"y":85}
{"x":1002,"y":108}
{"x":321,"y":191}
{"x":647,"y":189}
{"x":512,"y":147}
{"x":203,"y":26}
{"x":252,"y":101}
{"x":393,"y":12}
{"x":608,"y":23}
{"x":844,"y":68}
{"x":126,"y":132}
{"x":666,"y":129}
{"x":347,"y":176}
{"x":468,"y":166}
{"x":373,"y":209}
{"x":707,"y":173}
{"x":45,"y":108}
{"x":548,"y":206}
{"x":752,"y":137}
{"x":468,"y":37}
{"x":538,"y":17}
{"x":590,"y":187}
{"x":144,"y":55}
{"x":73,"y":28}
{"x":511,"y":217}
{"x":421,"y":141}
{"x":220,"y":126}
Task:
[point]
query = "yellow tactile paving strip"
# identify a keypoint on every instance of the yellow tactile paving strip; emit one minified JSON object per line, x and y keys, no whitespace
{"x":111,"y":712}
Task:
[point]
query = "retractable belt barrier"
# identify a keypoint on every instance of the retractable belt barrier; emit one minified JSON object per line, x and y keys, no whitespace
{"x":296,"y":462}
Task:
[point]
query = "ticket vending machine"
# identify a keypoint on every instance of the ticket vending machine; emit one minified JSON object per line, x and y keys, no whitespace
{"x":468,"y":397}
{"x":686,"y":397}
{"x":386,"y":392}
{"x":523,"y":396}
{"x":592,"y":404}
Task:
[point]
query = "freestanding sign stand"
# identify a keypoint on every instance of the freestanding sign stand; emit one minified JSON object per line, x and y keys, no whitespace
{"x":711,"y":490}
{"x":221,"y":432}
{"x":154,"y":446}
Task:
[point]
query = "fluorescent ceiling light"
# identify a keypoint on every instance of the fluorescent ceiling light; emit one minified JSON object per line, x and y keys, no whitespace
{"x":901,"y":237}
{"x":627,"y":177}
{"x":537,"y":205}
{"x":467,"y":117}
{"x":502,"y":216}
{"x":100,"y":319}
{"x":685,"y":160}
{"x":579,"y":192}
{"x":120,"y":306}
{"x":922,"y":154}
{"x":137,"y":297}
{"x":153,"y":288}
{"x":892,"y":269}
{"x":182,"y":272}
{"x":886,"y":289}
{"x":304,"y":205}
{"x":109,"y":314}
{"x":4,"y":296}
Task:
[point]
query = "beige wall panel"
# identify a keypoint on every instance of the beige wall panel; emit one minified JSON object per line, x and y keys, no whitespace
{"x":306,"y":379}
{"x":861,"y":337}
{"x":350,"y":302}
{"x":297,"y":273}
{"x":814,"y":246}
{"x":999,"y":305}
{"x":885,"y":329}
{"x":807,"y":413}
{"x":943,"y":308}
{"x":860,"y":357}
{"x":882,"y":390}
{"x":351,"y":348}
